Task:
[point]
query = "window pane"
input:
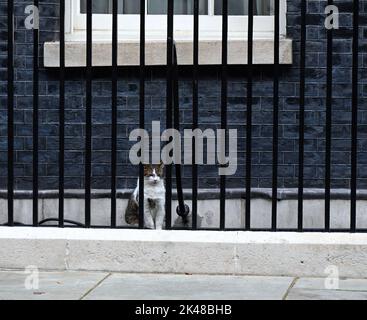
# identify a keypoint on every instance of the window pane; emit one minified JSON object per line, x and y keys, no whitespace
{"x":105,"y":6}
{"x":240,"y":7}
{"x":131,"y":6}
{"x":181,"y":7}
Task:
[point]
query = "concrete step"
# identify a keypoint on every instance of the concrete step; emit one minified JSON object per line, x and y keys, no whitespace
{"x":180,"y":252}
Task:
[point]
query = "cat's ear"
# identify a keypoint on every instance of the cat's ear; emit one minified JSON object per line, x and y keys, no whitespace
{"x":147,"y":169}
{"x":161,"y":165}
{"x":160,"y":169}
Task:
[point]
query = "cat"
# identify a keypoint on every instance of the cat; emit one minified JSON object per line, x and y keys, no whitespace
{"x":154,"y":199}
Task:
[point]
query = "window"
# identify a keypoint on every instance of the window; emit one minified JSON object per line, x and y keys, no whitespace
{"x":210,"y":47}
{"x":262,"y":7}
{"x":156,"y":20}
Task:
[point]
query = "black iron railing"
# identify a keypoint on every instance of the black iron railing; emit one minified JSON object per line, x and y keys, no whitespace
{"x":172,"y":121}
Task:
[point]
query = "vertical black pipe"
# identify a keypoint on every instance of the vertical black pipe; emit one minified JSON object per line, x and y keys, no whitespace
{"x":176,"y":124}
{"x":301,"y":149}
{"x":224,"y":94}
{"x":354,"y":157}
{"x":35,"y":118}
{"x":276,"y":117}
{"x":250,"y":38}
{"x":10,"y":89}
{"x":114,"y":113}
{"x":328,"y":124}
{"x":169,"y":113}
{"x":142,"y":108}
{"x":88,"y":134}
{"x":195,"y":115}
{"x":62,"y":116}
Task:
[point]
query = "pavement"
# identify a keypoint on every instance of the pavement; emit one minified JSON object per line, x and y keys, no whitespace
{"x":34,"y":285}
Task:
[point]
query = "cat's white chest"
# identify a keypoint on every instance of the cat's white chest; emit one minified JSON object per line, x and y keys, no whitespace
{"x":155,"y":191}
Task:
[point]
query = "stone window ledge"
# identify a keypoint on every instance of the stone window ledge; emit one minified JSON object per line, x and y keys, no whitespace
{"x":210,"y":52}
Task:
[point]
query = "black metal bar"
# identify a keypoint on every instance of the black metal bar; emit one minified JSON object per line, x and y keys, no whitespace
{"x":181,"y":209}
{"x":276,"y":116}
{"x":35,"y":118}
{"x":329,"y":96}
{"x":142,"y":108}
{"x":250,"y":38}
{"x":10,"y":89}
{"x":195,"y":116}
{"x":169,"y":112}
{"x":224,"y":111}
{"x":114,"y":113}
{"x":301,"y":151}
{"x":88,"y":134}
{"x":62,"y":116}
{"x":355,"y":101}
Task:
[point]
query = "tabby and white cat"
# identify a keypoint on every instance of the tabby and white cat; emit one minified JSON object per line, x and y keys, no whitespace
{"x":154,"y":199}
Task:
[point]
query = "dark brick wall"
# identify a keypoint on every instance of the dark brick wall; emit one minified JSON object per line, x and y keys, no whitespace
{"x":209,"y":108}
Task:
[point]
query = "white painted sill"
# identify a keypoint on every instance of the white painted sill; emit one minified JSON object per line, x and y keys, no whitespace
{"x":210,"y":52}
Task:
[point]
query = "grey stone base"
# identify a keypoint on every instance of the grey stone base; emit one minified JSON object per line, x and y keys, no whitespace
{"x":208,"y":208}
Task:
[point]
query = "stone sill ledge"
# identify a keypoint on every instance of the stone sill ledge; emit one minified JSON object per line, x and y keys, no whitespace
{"x":204,"y":194}
{"x":210,"y":53}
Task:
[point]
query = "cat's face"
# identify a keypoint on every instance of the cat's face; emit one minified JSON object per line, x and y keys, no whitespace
{"x":154,"y":173}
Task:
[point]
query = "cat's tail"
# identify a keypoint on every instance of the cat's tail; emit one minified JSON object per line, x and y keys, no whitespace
{"x":132,"y":213}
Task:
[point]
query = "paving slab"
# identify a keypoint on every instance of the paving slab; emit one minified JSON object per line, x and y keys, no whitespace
{"x":317,"y":289}
{"x":101,"y":286}
{"x":52,"y":285}
{"x":189,"y":287}
{"x":307,"y":294}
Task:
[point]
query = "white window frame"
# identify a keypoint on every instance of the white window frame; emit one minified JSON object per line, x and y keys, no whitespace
{"x":156,"y":25}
